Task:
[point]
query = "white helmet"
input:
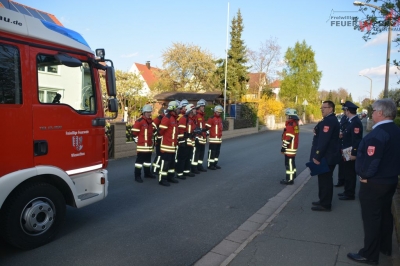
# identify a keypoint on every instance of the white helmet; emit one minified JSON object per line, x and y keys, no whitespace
{"x":147,"y":108}
{"x":189,"y":108}
{"x":290,"y":111}
{"x":172,"y":106}
{"x":183,"y":103}
{"x":201,"y":102}
{"x":218,"y":108}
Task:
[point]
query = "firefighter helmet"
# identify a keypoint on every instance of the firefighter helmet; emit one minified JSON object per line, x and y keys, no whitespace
{"x":183,"y":103}
{"x":189,"y":108}
{"x":218,"y":108}
{"x":147,"y":108}
{"x":172,"y":106}
{"x":290,"y":111}
{"x":201,"y":102}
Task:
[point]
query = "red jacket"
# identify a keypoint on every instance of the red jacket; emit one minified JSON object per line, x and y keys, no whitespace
{"x":143,"y":129}
{"x":215,"y":126}
{"x":290,"y":138}
{"x":186,"y":125}
{"x":168,"y":130}
{"x":156,"y":124}
{"x":201,"y":123}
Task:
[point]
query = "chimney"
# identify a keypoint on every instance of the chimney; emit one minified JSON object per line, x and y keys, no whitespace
{"x":148,"y":64}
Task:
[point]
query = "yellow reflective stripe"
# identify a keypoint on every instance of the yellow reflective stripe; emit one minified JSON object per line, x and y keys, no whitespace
{"x":135,"y":129}
{"x":182,"y":126}
{"x":208,"y":125}
{"x":162,"y":126}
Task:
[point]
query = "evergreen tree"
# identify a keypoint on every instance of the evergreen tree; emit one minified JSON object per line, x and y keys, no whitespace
{"x":237,"y":76}
{"x":330,"y":96}
{"x":301,"y":77}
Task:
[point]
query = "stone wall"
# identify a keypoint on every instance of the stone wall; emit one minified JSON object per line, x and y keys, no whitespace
{"x":121,"y":147}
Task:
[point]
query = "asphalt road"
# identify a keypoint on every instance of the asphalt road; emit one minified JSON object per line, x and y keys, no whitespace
{"x":148,"y":224}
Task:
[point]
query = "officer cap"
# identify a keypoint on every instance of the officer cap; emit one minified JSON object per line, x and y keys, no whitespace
{"x":349,"y":105}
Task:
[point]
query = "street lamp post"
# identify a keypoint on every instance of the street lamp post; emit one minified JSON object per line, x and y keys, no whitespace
{"x":385,"y":90}
{"x":370,"y":89}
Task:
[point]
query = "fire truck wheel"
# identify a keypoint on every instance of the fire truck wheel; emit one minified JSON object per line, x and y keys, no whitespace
{"x":32,"y":216}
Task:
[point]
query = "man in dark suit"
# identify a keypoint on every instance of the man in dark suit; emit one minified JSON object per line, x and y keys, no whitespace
{"x":351,"y":137}
{"x":326,"y":145}
{"x":378,"y":167}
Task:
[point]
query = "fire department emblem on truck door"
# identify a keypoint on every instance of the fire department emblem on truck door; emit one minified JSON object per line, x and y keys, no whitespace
{"x":77,"y":142}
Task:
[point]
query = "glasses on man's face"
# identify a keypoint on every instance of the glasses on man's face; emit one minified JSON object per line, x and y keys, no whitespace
{"x":374,"y":111}
{"x":324,"y":107}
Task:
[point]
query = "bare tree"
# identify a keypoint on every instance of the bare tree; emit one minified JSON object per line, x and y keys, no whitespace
{"x":265,"y":61}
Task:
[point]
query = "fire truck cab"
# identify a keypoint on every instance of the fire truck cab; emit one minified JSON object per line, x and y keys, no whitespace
{"x":54,"y":147}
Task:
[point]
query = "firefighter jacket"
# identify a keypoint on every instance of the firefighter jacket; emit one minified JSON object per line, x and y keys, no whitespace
{"x":352,"y":134}
{"x":378,"y":154}
{"x":290,"y":138}
{"x":156,"y":124}
{"x":186,"y":126}
{"x":214,"y":125}
{"x":326,"y":143}
{"x":168,"y":130}
{"x":143,"y":130}
{"x":201,"y":123}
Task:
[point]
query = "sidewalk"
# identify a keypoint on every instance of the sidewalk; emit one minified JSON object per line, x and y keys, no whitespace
{"x":286,"y":232}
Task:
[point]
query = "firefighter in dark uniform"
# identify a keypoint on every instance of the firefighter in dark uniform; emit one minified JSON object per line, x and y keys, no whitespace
{"x":143,"y":136}
{"x":351,"y":138}
{"x":290,"y":142}
{"x":326,"y":145}
{"x":343,"y":123}
{"x":378,"y":168}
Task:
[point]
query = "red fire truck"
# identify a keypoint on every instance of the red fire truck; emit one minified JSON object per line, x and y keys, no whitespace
{"x":54,"y":150}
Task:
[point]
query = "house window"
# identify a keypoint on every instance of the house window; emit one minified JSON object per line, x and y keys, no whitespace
{"x":10,"y":75}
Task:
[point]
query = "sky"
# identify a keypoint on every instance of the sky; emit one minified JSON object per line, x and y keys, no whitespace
{"x":139,"y":31}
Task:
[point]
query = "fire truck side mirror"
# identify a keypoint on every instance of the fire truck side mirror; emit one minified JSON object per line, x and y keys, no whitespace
{"x":112,"y":106}
{"x":110,"y":81}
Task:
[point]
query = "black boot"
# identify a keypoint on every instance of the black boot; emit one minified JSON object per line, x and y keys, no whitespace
{"x":217,"y":166}
{"x":182,"y":177}
{"x":340,"y":183}
{"x":172,"y":180}
{"x":194,"y":170}
{"x":149,"y":175}
{"x":138,"y":179}
{"x":201,"y":168}
{"x":164,"y":182}
{"x":286,"y":182}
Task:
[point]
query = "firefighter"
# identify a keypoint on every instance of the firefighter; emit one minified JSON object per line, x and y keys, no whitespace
{"x":214,"y":126}
{"x":290,"y":142}
{"x":186,"y":127}
{"x":168,"y":130}
{"x":351,"y":138}
{"x":143,"y":136}
{"x":181,"y":111}
{"x":201,"y":138}
{"x":157,"y":140}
